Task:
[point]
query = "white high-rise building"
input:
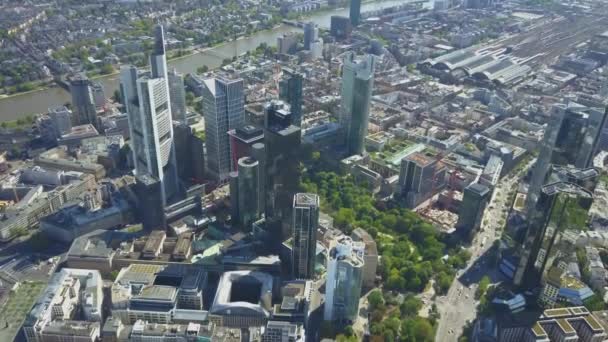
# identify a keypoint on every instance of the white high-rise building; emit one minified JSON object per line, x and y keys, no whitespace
{"x":148,"y":104}
{"x":178,"y":95}
{"x":224,"y":110}
{"x":344,"y":279}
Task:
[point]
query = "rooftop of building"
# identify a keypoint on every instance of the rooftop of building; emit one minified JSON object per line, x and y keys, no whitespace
{"x":157,"y":293}
{"x":247,"y":134}
{"x":396,"y":151}
{"x":243,"y":292}
{"x":71,"y":328}
{"x":138,"y":274}
{"x":306,"y":200}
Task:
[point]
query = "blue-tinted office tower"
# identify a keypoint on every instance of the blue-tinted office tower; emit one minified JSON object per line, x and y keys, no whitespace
{"x":224,"y":110}
{"x":355,"y":12}
{"x":290,"y":91}
{"x":311,"y":34}
{"x":357,"y":85}
{"x":562,"y":201}
{"x":571,"y":138}
{"x":578,"y":136}
{"x":340,"y":27}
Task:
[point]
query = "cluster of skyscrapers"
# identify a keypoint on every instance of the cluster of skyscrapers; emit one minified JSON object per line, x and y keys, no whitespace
{"x":560,"y":190}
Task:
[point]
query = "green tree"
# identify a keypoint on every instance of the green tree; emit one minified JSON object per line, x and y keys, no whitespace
{"x":375,"y":300}
{"x":594,"y":303}
{"x":411,"y":305}
{"x":106,"y":69}
{"x":417,"y":329}
{"x":483,"y":287}
{"x":203,"y":69}
{"x":116,"y":97}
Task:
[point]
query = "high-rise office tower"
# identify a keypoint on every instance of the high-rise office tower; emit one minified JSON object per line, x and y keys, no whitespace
{"x":341,"y":27}
{"x":150,"y":209}
{"x":224,"y":110}
{"x":370,"y":257}
{"x":242,"y":140}
{"x":419,"y":177}
{"x":182,"y":138}
{"x":150,"y":123}
{"x":177,"y":93}
{"x":355,"y":12}
{"x":99,"y":96}
{"x":290,"y":91}
{"x":158,"y":60}
{"x":258,"y":152}
{"x":311,"y":34}
{"x":578,"y":136}
{"x":282,"y":174}
{"x":83,"y":103}
{"x":562,"y":205}
{"x":245,"y":186}
{"x":344,"y":279}
{"x":305,"y":220}
{"x":62,"y":120}
{"x":357,"y":85}
{"x":474,"y":202}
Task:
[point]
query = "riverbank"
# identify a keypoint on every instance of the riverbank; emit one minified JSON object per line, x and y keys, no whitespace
{"x":20,"y":105}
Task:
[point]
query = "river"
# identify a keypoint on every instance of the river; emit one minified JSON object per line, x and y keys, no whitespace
{"x":14,"y":107}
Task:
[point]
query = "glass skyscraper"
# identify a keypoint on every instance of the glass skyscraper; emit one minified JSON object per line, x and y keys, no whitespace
{"x":563,"y":205}
{"x":290,"y":91}
{"x":357,"y":85}
{"x":344,"y":280}
{"x":305,"y":221}
{"x":224,"y":110}
{"x":355,"y":12}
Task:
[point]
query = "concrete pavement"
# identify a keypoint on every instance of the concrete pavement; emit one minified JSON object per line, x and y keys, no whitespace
{"x":459,"y":305}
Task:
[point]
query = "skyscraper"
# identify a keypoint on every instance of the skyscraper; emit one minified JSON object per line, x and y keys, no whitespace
{"x":340,"y":27}
{"x":305,"y":221}
{"x":290,"y":91}
{"x":344,"y":279}
{"x":83,"y":103}
{"x":246,"y":188}
{"x":99,"y":96}
{"x":578,"y":136}
{"x":282,"y":174}
{"x":158,"y":61}
{"x":258,"y":152}
{"x":224,"y":110}
{"x":474,"y":202}
{"x":355,"y":12}
{"x":563,"y":205}
{"x":62,"y":120}
{"x":571,"y":138}
{"x":178,"y":96}
{"x":357,"y":85}
{"x":149,"y":111}
{"x":150,"y":209}
{"x":311,"y":33}
{"x":419,"y":177}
